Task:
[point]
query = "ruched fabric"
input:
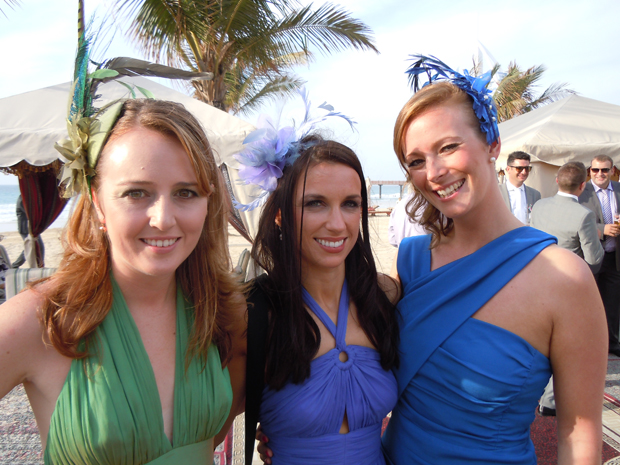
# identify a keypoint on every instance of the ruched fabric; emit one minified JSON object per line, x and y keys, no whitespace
{"x":302,"y":421}
{"x":109,"y":410}
{"x":468,"y":389}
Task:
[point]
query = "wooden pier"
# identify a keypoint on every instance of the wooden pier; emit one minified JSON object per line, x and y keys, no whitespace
{"x":389,"y":183}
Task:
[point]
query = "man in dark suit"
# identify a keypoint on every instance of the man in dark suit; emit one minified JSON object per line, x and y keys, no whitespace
{"x":575,"y":227}
{"x":602,"y":196}
{"x":518,"y":197}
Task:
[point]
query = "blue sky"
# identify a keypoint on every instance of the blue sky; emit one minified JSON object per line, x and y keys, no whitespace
{"x":577,"y":43}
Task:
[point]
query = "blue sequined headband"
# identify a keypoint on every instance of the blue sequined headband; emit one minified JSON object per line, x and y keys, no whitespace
{"x":269,"y":149}
{"x":475,"y":87}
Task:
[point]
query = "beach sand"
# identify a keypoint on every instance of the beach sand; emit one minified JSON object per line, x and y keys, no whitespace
{"x":378,"y":225}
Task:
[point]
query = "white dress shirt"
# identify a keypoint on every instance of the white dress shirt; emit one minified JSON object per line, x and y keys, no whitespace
{"x":400,"y":225}
{"x":518,"y":203}
{"x":609,"y":244}
{"x":566,"y":194}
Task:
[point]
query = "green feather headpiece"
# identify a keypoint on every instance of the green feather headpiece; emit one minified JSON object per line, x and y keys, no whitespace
{"x":88,"y":127}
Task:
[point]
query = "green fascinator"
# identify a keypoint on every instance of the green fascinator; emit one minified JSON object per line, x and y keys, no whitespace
{"x":88,"y":127}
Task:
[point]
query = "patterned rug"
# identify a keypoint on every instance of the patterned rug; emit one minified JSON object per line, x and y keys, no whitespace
{"x":543,"y":433}
{"x":19,"y":435}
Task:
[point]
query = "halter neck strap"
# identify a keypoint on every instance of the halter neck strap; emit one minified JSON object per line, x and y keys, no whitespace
{"x":340,"y":330}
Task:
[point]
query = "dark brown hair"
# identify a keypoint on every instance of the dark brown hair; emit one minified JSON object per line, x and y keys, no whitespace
{"x":518,"y":155}
{"x":571,"y":175}
{"x":294,"y":337}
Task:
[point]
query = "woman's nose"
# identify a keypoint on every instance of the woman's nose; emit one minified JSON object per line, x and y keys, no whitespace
{"x":435,"y":169}
{"x":336,"y":220}
{"x":161,"y":214}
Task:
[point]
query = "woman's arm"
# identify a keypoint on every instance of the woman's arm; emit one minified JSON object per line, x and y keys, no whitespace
{"x":20,"y":340}
{"x":578,"y":354}
{"x":394,"y":271}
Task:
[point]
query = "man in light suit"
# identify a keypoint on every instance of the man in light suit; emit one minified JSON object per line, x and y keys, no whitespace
{"x":519,"y":197}
{"x":575,"y":227}
{"x":602,"y":196}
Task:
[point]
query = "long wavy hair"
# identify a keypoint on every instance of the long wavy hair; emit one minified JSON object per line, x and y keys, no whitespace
{"x":79,"y":295}
{"x":294,"y":337}
{"x":430,"y":218}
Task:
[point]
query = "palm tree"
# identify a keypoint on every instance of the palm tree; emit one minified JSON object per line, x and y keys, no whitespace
{"x":250,"y":46}
{"x":514,"y":93}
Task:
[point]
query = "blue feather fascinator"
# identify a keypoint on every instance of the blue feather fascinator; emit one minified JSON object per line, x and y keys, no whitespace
{"x":270,"y":148}
{"x":475,"y":86}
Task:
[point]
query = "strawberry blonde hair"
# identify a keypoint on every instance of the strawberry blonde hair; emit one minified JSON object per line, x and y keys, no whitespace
{"x":431,"y":96}
{"x":79,"y":295}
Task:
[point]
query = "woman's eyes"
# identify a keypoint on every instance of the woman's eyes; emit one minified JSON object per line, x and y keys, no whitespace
{"x":313,"y":203}
{"x":419,"y":162}
{"x":416,"y":163}
{"x":352,"y":204}
{"x":135,"y":194}
{"x":449,"y":147}
{"x":187,"y":194}
{"x":319,"y":203}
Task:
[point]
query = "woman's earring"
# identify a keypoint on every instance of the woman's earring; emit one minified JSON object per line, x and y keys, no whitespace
{"x":280,"y":229}
{"x":103,"y":228}
{"x":492,"y":159}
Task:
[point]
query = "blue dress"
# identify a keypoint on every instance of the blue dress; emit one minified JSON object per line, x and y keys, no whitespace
{"x":467,"y":389}
{"x":302,"y":421}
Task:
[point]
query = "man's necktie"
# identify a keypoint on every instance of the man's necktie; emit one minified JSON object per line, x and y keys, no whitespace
{"x":609,"y":244}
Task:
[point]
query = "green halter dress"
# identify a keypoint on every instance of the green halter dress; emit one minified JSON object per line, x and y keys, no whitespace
{"x":109,"y":410}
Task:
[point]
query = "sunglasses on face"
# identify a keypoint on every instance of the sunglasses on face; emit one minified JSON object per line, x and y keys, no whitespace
{"x":521,"y":168}
{"x":604,"y":170}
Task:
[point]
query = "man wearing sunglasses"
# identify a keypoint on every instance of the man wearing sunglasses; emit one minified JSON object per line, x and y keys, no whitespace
{"x":519,"y":197}
{"x":602,"y":196}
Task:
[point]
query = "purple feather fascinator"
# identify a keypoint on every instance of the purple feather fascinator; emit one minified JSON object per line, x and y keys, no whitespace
{"x":269,"y":149}
{"x":475,"y":87}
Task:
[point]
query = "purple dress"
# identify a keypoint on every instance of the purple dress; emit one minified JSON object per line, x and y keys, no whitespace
{"x":302,"y":421}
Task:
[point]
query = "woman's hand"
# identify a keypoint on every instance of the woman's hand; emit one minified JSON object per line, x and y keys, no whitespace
{"x":265,"y":452}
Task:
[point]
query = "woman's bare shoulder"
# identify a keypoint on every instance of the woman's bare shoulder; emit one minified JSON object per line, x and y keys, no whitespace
{"x":564,"y":277}
{"x":563,"y":267}
{"x":21,"y":338}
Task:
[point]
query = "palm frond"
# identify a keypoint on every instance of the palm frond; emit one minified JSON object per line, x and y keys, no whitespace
{"x":276,"y":89}
{"x":250,"y":46}
{"x":516,"y":92}
{"x":10,"y":4}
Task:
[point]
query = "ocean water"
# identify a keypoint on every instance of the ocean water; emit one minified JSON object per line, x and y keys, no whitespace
{"x":389,"y":196}
{"x":8,"y":219}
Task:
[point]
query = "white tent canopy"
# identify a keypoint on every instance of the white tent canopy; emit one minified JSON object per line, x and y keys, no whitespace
{"x":572,"y":129}
{"x":30,"y":124}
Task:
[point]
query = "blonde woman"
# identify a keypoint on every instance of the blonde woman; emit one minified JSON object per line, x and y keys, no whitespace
{"x":123,"y":351}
